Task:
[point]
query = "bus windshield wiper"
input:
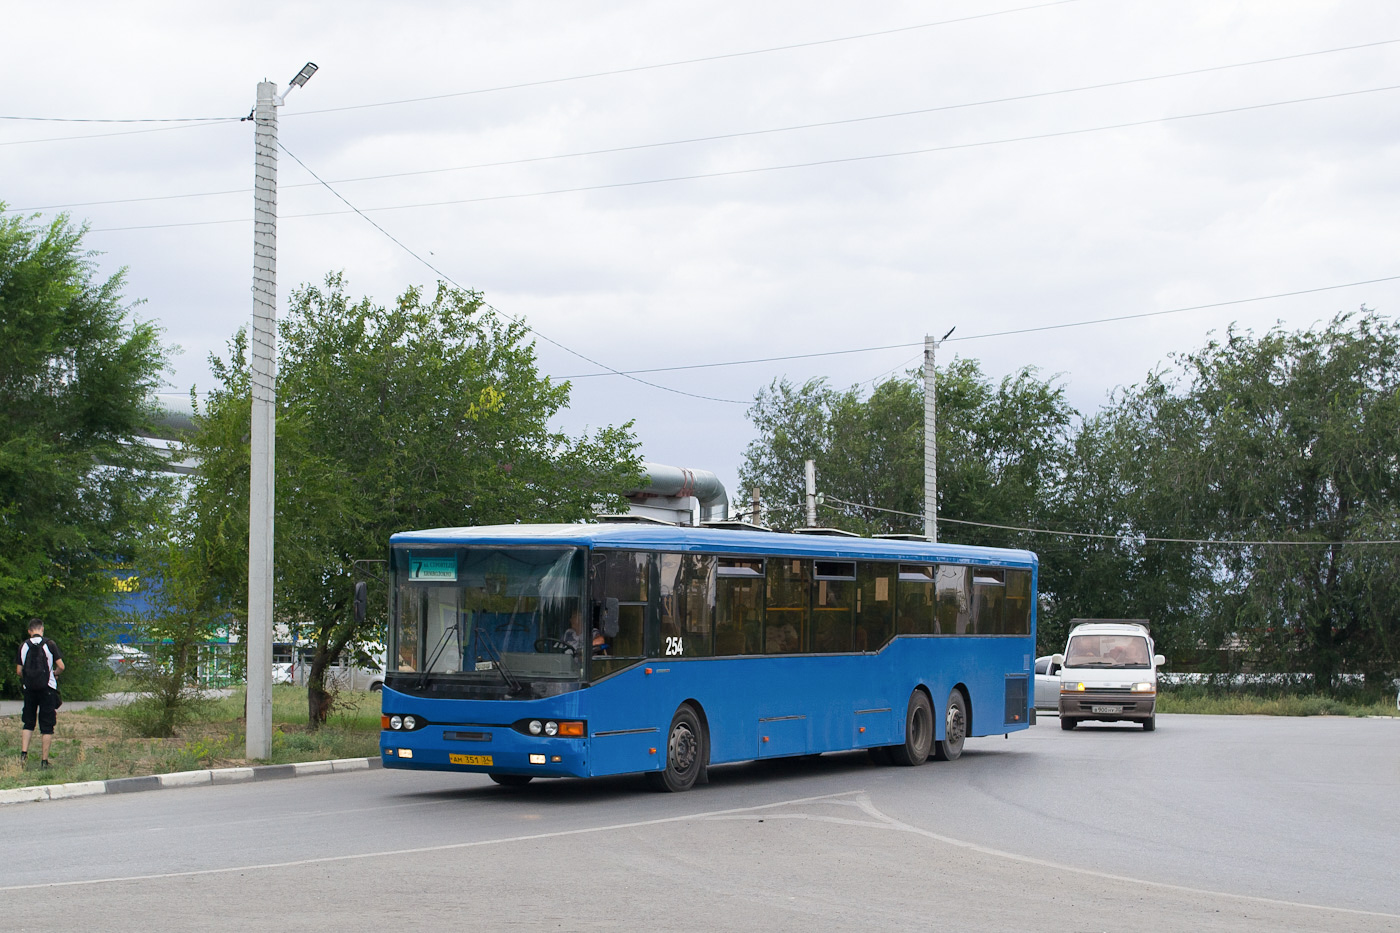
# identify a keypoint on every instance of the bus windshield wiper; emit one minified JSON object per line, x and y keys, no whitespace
{"x":437,"y":653}
{"x":516,"y":687}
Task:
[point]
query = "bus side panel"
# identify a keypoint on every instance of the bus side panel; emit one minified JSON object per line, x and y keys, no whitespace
{"x":981,"y":664}
{"x":801,"y":705}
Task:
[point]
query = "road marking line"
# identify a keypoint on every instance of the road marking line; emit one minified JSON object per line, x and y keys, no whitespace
{"x":447,"y":847}
{"x":857,"y":798}
{"x":863,"y":801}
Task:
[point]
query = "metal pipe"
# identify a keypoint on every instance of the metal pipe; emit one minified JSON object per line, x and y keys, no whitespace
{"x":680,"y":483}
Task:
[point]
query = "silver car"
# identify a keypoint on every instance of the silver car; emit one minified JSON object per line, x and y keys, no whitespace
{"x":1047,"y":683}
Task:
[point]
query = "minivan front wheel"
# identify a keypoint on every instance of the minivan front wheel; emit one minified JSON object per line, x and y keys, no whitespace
{"x":1150,"y":723}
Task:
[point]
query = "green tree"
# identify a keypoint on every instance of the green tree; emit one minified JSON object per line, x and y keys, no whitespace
{"x":77,"y":488}
{"x":1293,"y":437}
{"x":1001,"y":448}
{"x":427,"y":413}
{"x":183,"y":616}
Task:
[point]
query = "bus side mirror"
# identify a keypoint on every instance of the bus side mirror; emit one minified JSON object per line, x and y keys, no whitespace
{"x":1158,"y":661}
{"x":610,"y":626}
{"x":1057,"y":659}
{"x":361,"y":600}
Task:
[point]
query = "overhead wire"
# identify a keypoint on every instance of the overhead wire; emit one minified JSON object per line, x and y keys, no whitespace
{"x":742,"y":133}
{"x":156,"y":129}
{"x":498,"y":311}
{"x":840,"y":160}
{"x":691,"y":61}
{"x":524,"y":84}
{"x":1211,"y":542}
{"x":1003,"y":333}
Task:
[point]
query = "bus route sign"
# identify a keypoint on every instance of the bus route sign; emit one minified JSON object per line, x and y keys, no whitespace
{"x":433,"y":568}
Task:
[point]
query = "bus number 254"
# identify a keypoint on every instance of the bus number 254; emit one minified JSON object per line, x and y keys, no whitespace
{"x":674,"y":646}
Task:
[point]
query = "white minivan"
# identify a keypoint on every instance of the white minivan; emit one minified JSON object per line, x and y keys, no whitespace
{"x":1109,"y":673}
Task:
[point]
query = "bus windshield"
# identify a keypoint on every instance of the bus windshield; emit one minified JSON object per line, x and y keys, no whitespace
{"x":488,"y":614}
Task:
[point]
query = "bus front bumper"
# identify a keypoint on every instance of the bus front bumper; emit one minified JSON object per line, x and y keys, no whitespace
{"x":483,"y":750}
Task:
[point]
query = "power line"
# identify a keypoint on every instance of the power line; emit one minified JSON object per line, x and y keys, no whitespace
{"x":689,"y":61}
{"x":119,"y":119}
{"x":774,"y":168}
{"x":739,"y":134}
{"x":218,"y":121}
{"x":1214,"y":304}
{"x":1119,"y":537}
{"x":492,"y":308}
{"x":1003,"y":333}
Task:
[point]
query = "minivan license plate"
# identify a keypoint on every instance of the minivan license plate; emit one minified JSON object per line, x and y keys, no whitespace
{"x":1106,"y":709}
{"x":469,"y":759}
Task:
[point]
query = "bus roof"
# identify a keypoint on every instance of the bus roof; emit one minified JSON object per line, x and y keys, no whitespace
{"x":714,"y":540}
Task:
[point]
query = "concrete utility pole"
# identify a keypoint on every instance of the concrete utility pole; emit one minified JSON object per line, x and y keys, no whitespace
{"x":811,"y":493}
{"x":931,"y":437}
{"x":262,"y":365}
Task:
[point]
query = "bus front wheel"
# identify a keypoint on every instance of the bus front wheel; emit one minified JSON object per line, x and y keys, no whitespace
{"x":687,"y":748}
{"x":918,"y":732}
{"x":954,"y":729}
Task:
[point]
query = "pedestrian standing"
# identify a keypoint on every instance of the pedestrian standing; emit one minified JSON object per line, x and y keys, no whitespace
{"x":38,"y":668}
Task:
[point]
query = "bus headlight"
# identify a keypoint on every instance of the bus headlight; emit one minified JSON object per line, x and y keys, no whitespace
{"x":536,"y":727}
{"x":551,"y":728}
{"x":410,"y":723}
{"x":395,"y":722}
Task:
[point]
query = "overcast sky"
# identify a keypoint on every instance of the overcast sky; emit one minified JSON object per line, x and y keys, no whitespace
{"x":984,"y":230}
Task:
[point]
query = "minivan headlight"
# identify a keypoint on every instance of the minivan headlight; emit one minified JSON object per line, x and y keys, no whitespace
{"x":1144,"y":687}
{"x":1071,"y":687}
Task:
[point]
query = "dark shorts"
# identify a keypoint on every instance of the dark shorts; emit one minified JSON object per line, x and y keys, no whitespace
{"x":40,"y":702}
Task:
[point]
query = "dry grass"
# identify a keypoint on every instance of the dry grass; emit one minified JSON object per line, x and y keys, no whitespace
{"x":97,"y":744}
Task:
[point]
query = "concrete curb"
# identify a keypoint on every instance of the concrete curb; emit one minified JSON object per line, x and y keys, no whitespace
{"x":184,"y":779}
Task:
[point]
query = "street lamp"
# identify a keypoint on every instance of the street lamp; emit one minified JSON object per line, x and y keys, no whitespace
{"x":263,"y":373}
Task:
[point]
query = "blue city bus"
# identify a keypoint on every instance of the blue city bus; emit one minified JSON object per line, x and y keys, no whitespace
{"x":525,"y":651}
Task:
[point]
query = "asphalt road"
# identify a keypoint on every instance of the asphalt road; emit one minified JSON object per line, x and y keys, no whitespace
{"x":1210,"y":823}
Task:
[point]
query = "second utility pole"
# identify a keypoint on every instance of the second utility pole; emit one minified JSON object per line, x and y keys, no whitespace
{"x":931,"y":437}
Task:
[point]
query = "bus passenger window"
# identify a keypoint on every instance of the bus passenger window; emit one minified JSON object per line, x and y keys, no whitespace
{"x":915,"y":599}
{"x":738,"y":606}
{"x":874,"y":605}
{"x":955,"y":600}
{"x":1018,"y":602}
{"x":988,"y":600}
{"x":785,"y":614}
{"x":687,"y":604}
{"x":626,"y":577}
{"x":833,"y":605}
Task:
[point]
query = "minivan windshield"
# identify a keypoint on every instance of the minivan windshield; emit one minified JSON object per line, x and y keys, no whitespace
{"x":1128,"y":651}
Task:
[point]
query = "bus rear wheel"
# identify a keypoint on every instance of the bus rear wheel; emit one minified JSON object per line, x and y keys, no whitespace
{"x":918,"y":732}
{"x":954,"y":729}
{"x":687,"y":749}
{"x":511,"y":780}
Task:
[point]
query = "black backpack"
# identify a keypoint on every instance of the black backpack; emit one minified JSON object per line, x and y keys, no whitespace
{"x":36,"y":665}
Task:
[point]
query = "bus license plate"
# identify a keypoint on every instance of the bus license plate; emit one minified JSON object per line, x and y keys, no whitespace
{"x":1094,"y":709}
{"x":470,"y":759}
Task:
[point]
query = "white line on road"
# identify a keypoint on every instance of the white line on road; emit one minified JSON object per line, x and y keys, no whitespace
{"x":858,"y":799}
{"x":423,"y":849}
